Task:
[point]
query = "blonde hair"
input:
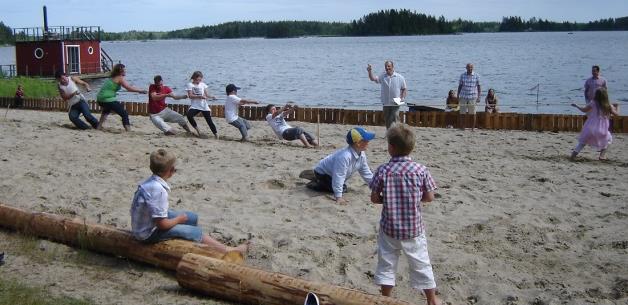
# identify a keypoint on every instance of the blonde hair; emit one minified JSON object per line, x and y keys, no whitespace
{"x":161,"y":160}
{"x":401,"y":137}
{"x":601,"y":98}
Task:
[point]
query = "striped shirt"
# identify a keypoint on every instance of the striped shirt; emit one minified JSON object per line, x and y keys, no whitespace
{"x":402,"y":183}
{"x":469,"y":84}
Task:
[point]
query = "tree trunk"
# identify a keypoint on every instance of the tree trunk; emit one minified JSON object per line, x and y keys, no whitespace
{"x":246,"y":285}
{"x":104,"y":239}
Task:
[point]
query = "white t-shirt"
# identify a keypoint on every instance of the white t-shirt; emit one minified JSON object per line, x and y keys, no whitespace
{"x":278,"y":123}
{"x":197,"y":89}
{"x":231,"y":108}
{"x":70,"y":88}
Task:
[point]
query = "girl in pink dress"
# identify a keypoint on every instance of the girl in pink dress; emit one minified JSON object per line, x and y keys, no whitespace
{"x":595,"y":130}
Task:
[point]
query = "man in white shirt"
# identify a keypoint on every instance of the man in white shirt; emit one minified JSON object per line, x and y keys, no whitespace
{"x":276,"y":118}
{"x":393,"y":91}
{"x":232,"y":104}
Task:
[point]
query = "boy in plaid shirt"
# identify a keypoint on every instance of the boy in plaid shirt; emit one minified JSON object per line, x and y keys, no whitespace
{"x":401,"y":185}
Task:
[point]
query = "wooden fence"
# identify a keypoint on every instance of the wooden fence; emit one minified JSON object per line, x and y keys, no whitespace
{"x":504,"y":121}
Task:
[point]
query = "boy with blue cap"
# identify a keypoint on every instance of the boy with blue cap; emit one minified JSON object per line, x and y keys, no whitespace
{"x":331,"y":173}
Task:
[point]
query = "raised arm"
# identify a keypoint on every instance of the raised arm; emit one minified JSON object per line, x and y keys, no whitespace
{"x":371,"y":76}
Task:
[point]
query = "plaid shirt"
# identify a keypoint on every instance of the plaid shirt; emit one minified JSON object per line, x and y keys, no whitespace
{"x":469,"y":84}
{"x":402,"y":183}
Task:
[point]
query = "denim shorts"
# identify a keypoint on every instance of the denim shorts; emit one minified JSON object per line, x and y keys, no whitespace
{"x":187,"y":231}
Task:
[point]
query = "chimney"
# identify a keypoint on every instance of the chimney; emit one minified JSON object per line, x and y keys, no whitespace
{"x":45,"y":20}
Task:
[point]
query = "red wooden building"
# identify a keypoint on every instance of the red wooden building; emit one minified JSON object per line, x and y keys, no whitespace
{"x":41,"y":51}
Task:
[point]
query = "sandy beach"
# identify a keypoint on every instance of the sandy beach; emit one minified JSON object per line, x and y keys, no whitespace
{"x":514,"y":221}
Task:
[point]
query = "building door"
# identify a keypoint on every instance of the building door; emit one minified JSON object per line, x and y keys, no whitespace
{"x":73,"y":60}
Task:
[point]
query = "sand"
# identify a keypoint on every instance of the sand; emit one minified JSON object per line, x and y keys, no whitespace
{"x":514,"y":221}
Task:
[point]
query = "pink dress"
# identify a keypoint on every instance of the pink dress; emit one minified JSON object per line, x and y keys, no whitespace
{"x":595,"y":129}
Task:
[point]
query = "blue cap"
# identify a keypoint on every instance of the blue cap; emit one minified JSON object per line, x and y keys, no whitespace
{"x":357,"y":134}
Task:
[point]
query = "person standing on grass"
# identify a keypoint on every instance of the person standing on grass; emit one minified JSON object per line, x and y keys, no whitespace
{"x":469,"y":94}
{"x":393,"y":88}
{"x":77,"y":104}
{"x":198,"y":94}
{"x":159,"y":112}
{"x":107,"y":96}
{"x":19,"y":97}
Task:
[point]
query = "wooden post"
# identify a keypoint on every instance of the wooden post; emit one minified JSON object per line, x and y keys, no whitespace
{"x":101,"y":238}
{"x":246,"y":285}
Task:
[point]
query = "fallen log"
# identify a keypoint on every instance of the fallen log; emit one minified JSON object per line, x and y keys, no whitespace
{"x":105,"y":239}
{"x":245,"y":285}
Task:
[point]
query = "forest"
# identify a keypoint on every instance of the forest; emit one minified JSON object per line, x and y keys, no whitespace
{"x":382,"y":23}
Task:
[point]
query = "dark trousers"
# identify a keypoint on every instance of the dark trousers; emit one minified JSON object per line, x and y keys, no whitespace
{"x":322,"y":183}
{"x":117,"y":108}
{"x":206,"y":114}
{"x":17,"y":102}
{"x":82,"y":108}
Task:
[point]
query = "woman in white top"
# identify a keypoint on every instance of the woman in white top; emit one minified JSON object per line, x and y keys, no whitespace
{"x":198,"y":94}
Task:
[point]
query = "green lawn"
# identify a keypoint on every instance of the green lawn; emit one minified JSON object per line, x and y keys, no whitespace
{"x":33,"y":87}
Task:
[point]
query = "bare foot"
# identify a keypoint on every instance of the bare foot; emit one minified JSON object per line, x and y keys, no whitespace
{"x":242,"y":248}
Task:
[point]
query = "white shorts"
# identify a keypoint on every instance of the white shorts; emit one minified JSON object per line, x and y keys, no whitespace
{"x":388,"y":251}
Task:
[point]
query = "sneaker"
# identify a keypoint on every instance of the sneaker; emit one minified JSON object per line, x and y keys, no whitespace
{"x":311,"y":299}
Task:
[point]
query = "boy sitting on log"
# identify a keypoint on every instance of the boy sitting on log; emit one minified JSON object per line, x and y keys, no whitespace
{"x":151,"y":219}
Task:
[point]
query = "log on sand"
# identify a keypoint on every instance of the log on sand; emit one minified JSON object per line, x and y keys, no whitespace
{"x":104,"y":239}
{"x":246,"y":285}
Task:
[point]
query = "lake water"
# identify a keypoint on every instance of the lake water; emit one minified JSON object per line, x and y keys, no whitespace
{"x":331,"y":71}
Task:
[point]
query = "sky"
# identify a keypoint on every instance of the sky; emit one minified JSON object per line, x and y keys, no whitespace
{"x":166,"y":15}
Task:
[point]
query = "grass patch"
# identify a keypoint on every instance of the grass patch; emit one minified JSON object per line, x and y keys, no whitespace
{"x":12,"y":292}
{"x":33,"y":87}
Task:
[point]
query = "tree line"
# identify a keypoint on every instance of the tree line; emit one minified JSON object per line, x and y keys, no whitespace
{"x":382,"y":23}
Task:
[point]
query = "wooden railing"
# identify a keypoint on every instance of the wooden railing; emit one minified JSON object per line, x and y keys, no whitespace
{"x":504,"y":121}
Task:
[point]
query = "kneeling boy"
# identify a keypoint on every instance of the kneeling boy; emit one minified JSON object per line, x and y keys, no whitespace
{"x":331,"y":173}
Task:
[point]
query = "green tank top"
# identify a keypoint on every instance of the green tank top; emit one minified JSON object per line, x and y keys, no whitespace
{"x":107,"y":93}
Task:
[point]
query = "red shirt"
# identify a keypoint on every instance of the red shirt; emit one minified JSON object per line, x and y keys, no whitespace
{"x":156,"y":106}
